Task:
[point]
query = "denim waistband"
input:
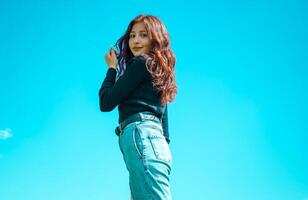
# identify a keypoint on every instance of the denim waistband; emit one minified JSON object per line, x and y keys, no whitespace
{"x":136,"y":117}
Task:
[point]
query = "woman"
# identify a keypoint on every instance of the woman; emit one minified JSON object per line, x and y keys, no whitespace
{"x":140,"y":81}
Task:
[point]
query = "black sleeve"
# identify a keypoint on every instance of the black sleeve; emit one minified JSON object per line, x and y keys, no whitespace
{"x":112,"y":93}
{"x":165,"y":124}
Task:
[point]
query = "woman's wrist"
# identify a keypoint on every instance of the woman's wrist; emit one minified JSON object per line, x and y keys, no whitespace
{"x":113,"y":66}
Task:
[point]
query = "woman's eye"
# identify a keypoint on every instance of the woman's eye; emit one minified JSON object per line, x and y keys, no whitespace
{"x":142,"y":35}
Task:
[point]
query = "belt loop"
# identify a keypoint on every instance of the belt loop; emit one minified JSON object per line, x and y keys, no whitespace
{"x":118,"y":130}
{"x":141,"y":116}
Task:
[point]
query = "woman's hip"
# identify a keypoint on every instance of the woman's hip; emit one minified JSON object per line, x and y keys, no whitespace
{"x":144,"y":140}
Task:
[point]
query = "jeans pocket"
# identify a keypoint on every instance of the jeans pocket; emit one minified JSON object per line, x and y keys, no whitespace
{"x":160,"y":148}
{"x":137,"y":141}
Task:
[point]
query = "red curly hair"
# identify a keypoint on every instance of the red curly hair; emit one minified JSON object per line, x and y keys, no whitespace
{"x":160,"y":59}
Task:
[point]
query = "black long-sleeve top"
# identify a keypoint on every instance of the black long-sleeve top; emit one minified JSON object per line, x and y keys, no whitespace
{"x":133,"y":92}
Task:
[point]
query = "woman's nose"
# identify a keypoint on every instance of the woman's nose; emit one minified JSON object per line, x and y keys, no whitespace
{"x":136,"y":39}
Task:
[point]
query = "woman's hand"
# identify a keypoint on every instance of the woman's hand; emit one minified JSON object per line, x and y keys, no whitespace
{"x":111,"y":58}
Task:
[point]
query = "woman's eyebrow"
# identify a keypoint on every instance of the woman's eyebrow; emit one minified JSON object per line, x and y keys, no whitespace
{"x":139,"y":31}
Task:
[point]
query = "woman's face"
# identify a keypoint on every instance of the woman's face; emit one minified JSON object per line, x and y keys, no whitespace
{"x":139,"y":41}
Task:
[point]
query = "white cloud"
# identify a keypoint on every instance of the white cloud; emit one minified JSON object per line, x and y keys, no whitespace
{"x":5,"y":134}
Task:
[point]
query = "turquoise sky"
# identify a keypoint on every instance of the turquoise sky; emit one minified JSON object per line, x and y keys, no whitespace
{"x":238,"y":125}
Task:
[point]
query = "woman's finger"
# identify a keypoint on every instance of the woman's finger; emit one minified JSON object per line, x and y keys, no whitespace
{"x":113,"y":52}
{"x":107,"y":55}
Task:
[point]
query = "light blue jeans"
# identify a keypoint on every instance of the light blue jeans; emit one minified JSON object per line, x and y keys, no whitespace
{"x":148,"y":160}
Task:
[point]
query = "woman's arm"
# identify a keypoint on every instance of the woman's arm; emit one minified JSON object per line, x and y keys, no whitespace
{"x":112,"y":93}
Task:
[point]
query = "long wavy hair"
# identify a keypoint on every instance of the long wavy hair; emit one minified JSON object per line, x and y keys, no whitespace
{"x":160,"y":60}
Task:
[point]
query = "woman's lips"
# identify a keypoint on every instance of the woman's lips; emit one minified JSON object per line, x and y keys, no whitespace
{"x":137,"y":48}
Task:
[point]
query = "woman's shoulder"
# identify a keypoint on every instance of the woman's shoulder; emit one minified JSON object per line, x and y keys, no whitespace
{"x":141,"y":59}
